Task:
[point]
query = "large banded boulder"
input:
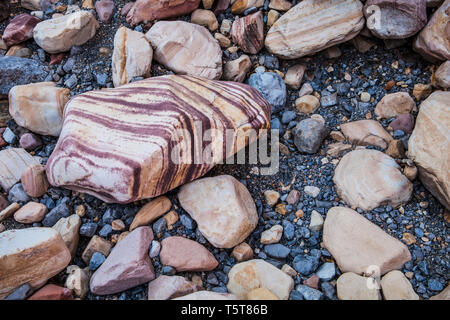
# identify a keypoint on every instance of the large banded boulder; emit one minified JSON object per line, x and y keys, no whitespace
{"x":138,"y":141}
{"x":314,"y":25}
{"x":429,"y":145}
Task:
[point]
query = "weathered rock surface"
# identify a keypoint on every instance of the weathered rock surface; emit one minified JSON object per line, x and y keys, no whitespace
{"x":128,"y":265}
{"x":186,"y":255}
{"x":208,"y":295}
{"x":170,"y":287}
{"x":226,"y":221}
{"x":20,"y":29}
{"x":429,"y":145}
{"x":351,"y":286}
{"x":404,"y":122}
{"x":177,"y":45}
{"x":14,"y":162}
{"x":396,"y":286}
{"x":31,"y":256}
{"x":366,"y":133}
{"x":62,"y":33}
{"x":205,"y":18}
{"x":248,"y":32}
{"x":149,"y":10}
{"x":105,"y":9}
{"x":39,"y":107}
{"x":132,"y":56}
{"x":441,"y":78}
{"x":314,"y":25}
{"x":395,"y":104}
{"x":52,"y":292}
{"x":11,"y":69}
{"x":294,"y":76}
{"x":360,"y":246}
{"x":395,"y":19}
{"x":78,"y":280}
{"x":69,"y":229}
{"x":34,"y":181}
{"x":236,"y":70}
{"x":368,"y":178}
{"x":433,"y":41}
{"x":148,"y":113}
{"x":247,"y":276}
{"x":31,"y":212}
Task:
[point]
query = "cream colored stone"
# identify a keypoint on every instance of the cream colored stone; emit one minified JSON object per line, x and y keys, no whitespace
{"x":242,"y":252}
{"x":272,"y":235}
{"x":31,"y":256}
{"x":9,"y":211}
{"x":395,"y":104}
{"x":396,"y":286}
{"x":14,"y":162}
{"x":246,"y":276}
{"x":271,"y":197}
{"x":261,"y":294}
{"x":441,"y":78}
{"x":78,"y":280}
{"x":132,"y":56}
{"x":224,"y":42}
{"x":280,"y":5}
{"x":205,"y":18}
{"x":351,"y":286}
{"x":39,"y":107}
{"x":236,"y":70}
{"x":307,"y":104}
{"x":61,"y":33}
{"x":226,"y":221}
{"x":429,"y":145}
{"x":69,"y":229}
{"x":360,"y":246}
{"x":31,"y":212}
{"x":294,"y":76}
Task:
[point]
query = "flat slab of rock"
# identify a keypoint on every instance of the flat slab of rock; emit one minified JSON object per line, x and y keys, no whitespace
{"x":360,"y":246}
{"x":186,"y":255}
{"x":14,"y":162}
{"x":150,"y":10}
{"x":177,"y":45}
{"x":226,"y":221}
{"x":91,"y":156}
{"x":351,"y":286}
{"x":32,"y":256}
{"x":312,"y":26}
{"x":396,"y":286}
{"x":395,"y":19}
{"x":369,"y":178}
{"x":366,"y":133}
{"x":11,"y":69}
{"x":432,"y":42}
{"x":246,"y":276}
{"x":62,"y":33}
{"x":127,"y":266}
{"x":151,"y":211}
{"x":208,"y":295}
{"x":170,"y":287}
{"x":39,"y":107}
{"x":429,"y":145}
{"x":132,"y":56}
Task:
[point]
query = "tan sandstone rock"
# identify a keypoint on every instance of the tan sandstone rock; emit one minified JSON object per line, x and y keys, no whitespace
{"x":205,"y":18}
{"x":394,"y":104}
{"x":441,"y":78}
{"x":314,"y":25}
{"x":246,"y":276}
{"x":39,"y":107}
{"x":61,"y":33}
{"x":170,"y":287}
{"x":14,"y":162}
{"x":369,"y":178}
{"x":351,"y":286}
{"x":396,"y":286}
{"x":69,"y":229}
{"x":242,"y":252}
{"x":132,"y":56}
{"x":366,"y":133}
{"x":34,"y":181}
{"x":151,"y":211}
{"x":236,"y":70}
{"x":31,"y":212}
{"x":429,"y":145}
{"x":360,"y":246}
{"x":227,"y":220}
{"x":177,"y":45}
{"x":31,"y":256}
{"x":294,"y":76}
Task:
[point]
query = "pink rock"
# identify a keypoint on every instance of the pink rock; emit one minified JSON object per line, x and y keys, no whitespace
{"x":20,"y":29}
{"x":127,"y":266}
{"x":105,"y":10}
{"x":186,"y":255}
{"x":52,"y":292}
{"x":169,"y":287}
{"x":312,"y":282}
{"x":30,"y":141}
{"x":404,"y":122}
{"x":31,"y":212}
{"x":126,"y":8}
{"x":248,"y":32}
{"x":221,"y":7}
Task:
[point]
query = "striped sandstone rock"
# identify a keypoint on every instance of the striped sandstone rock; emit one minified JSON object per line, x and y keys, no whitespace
{"x":314,"y":25}
{"x":120,"y":144}
{"x":14,"y":162}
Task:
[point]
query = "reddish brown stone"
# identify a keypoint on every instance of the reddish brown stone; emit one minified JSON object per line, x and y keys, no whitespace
{"x":34,"y":181}
{"x":105,"y":10}
{"x":52,"y":292}
{"x":20,"y":29}
{"x":30,"y":141}
{"x":312,"y":282}
{"x":149,"y":10}
{"x":56,"y":58}
{"x":248,"y":32}
{"x":404,"y":122}
{"x":221,"y":7}
{"x":186,"y":255}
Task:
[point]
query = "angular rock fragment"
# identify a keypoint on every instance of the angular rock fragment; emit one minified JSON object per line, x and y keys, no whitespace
{"x":312,"y":26}
{"x":149,"y":10}
{"x":90,"y":155}
{"x":248,"y":32}
{"x":34,"y":181}
{"x":366,"y":133}
{"x":228,"y":220}
{"x":20,"y":29}
{"x":170,"y":287}
{"x":236,"y":70}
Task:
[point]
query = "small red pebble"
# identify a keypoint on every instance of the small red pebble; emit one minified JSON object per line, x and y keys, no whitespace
{"x":57,"y":58}
{"x":312,"y":282}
